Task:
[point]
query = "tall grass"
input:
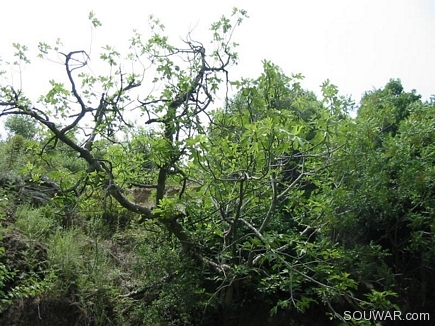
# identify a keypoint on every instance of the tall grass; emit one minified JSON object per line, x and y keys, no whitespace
{"x":35,"y":223}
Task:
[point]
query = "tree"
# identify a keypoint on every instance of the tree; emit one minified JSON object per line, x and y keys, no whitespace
{"x":100,"y":106}
{"x":244,"y":194}
{"x":264,"y":156}
{"x":384,"y":205}
{"x":388,"y":106}
{"x":21,"y":125}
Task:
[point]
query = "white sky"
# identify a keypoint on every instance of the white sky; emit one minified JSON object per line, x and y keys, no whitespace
{"x":358,"y":45}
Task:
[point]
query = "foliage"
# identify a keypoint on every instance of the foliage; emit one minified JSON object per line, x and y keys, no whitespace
{"x":18,"y":283}
{"x":30,"y":287}
{"x":159,"y":210}
{"x":19,"y":125}
{"x":34,"y":223}
{"x":385,"y":201}
{"x":265,"y":151}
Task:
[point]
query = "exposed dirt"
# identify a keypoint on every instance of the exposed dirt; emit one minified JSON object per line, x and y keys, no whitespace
{"x":43,"y":312}
{"x":19,"y":252}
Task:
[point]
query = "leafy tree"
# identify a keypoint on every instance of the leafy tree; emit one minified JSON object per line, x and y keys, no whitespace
{"x":188,"y":78}
{"x":388,"y":106}
{"x":263,"y":157}
{"x":21,"y":125}
{"x":278,"y":197}
{"x":384,"y":205}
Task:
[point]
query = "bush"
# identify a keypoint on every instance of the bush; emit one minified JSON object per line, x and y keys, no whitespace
{"x":65,"y":257}
{"x":33,"y":222}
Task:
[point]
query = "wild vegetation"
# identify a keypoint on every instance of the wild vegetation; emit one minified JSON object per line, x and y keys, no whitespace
{"x":130,"y":200}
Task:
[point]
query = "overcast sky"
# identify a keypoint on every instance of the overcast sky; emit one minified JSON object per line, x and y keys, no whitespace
{"x":358,"y":45}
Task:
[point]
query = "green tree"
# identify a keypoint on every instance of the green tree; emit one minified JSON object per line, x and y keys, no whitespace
{"x":263,"y":157}
{"x":187,"y":79}
{"x":263,"y":203}
{"x":21,"y":125}
{"x":388,"y":106}
{"x":384,"y":205}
